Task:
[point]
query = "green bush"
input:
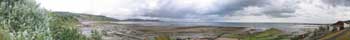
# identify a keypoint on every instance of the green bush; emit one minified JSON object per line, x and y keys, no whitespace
{"x":23,"y":20}
{"x":64,"y":28}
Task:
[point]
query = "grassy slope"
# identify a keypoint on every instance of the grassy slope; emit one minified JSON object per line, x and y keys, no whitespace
{"x":344,"y":36}
{"x":87,"y":16}
{"x":338,"y":35}
{"x":332,"y":34}
{"x":270,"y":34}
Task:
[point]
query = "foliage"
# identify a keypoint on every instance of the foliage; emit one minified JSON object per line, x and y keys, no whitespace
{"x":64,"y":28}
{"x":23,"y":20}
{"x":86,"y":16}
{"x":97,"y":17}
{"x":96,"y":35}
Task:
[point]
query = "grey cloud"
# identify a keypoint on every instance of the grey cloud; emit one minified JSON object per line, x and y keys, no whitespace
{"x":279,"y":13}
{"x":337,"y":2}
{"x":268,"y":9}
{"x":168,"y":9}
{"x":236,"y":5}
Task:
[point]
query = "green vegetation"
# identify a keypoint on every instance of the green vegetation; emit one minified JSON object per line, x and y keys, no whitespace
{"x":162,"y":37}
{"x":270,"y":34}
{"x":330,"y":35}
{"x":64,"y":28}
{"x":97,"y":17}
{"x":338,"y":35}
{"x":86,"y":16}
{"x":344,"y":36}
{"x":23,"y":20}
{"x":234,"y":36}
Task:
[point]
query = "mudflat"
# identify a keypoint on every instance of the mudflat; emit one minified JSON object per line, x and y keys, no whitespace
{"x":188,"y":29}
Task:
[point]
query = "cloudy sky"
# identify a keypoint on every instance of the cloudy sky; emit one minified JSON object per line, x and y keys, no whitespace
{"x":295,"y":11}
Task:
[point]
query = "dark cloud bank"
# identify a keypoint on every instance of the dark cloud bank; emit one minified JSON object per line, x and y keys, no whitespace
{"x":169,"y":9}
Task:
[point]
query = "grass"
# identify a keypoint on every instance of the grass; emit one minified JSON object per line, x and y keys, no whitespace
{"x":162,"y":37}
{"x":270,"y":34}
{"x":234,"y":36}
{"x":330,"y":35}
{"x":340,"y":37}
{"x":345,"y":36}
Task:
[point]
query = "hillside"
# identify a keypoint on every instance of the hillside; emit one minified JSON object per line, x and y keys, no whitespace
{"x":87,"y":17}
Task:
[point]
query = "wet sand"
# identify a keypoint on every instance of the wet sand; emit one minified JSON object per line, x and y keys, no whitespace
{"x":187,"y":29}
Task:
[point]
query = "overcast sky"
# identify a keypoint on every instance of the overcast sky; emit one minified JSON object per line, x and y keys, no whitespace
{"x":300,"y":11}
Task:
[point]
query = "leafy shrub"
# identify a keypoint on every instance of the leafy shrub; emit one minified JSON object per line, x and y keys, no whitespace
{"x":23,"y":20}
